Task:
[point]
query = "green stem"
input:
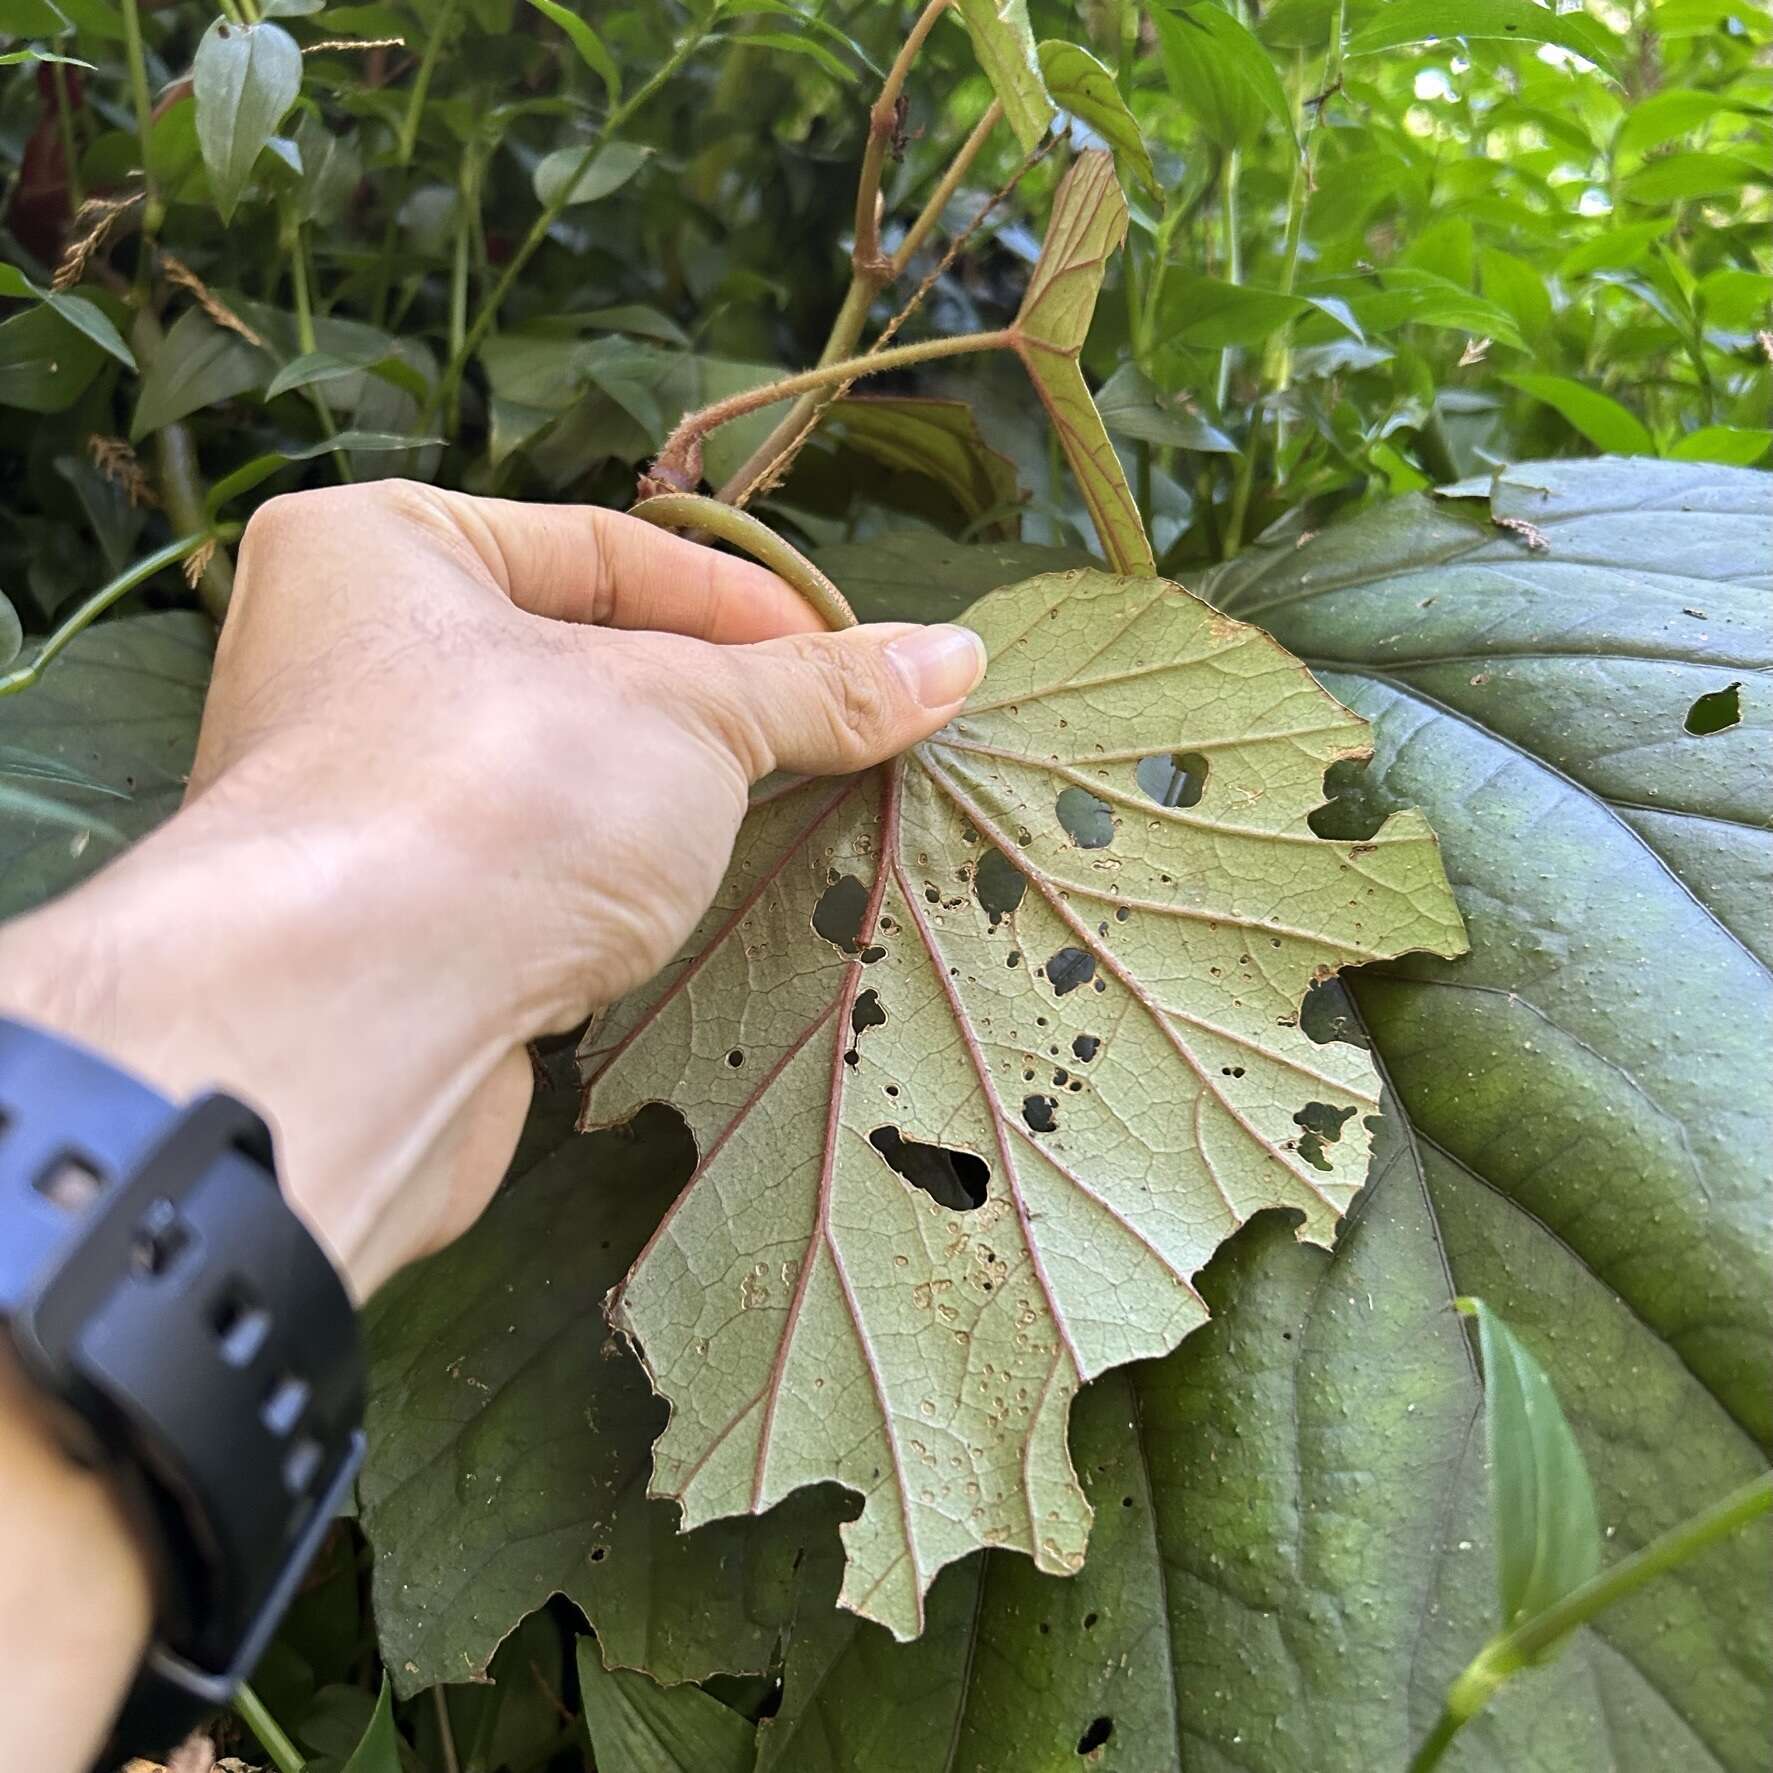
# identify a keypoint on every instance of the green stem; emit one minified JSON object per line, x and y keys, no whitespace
{"x":301,"y":281}
{"x":137,"y":55}
{"x":251,"y":1711}
{"x":680,"y":457}
{"x":64,"y":117}
{"x":1529,"y":1642}
{"x":1231,"y":249}
{"x":551,"y":213}
{"x":883,"y":123}
{"x":946,"y":186}
{"x":21,"y":677}
{"x":415,"y":101}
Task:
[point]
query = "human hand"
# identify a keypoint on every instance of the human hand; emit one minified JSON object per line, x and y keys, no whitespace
{"x":467,"y":770}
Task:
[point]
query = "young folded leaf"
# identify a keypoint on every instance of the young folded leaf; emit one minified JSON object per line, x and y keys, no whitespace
{"x":1547,"y":1539}
{"x":1089,"y":222}
{"x":985,"y":1053}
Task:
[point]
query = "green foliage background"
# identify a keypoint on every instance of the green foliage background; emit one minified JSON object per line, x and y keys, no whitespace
{"x":506,"y":253}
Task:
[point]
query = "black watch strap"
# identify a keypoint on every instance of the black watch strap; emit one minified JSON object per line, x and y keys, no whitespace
{"x":189,"y":1330}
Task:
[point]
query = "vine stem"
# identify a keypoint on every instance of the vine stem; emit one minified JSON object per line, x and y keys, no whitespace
{"x":846,"y":329}
{"x":958,"y":168}
{"x":1514,"y":1650}
{"x":251,"y":1711}
{"x":883,"y":125}
{"x":551,"y":213}
{"x":680,"y":458}
{"x":302,"y":281}
{"x":687,"y":512}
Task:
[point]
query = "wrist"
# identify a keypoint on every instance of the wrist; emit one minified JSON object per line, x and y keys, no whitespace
{"x":219,"y":955}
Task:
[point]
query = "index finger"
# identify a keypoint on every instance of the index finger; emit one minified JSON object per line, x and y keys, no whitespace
{"x":576,"y":563}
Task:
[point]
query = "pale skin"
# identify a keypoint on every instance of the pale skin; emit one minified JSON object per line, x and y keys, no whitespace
{"x":468,"y":770}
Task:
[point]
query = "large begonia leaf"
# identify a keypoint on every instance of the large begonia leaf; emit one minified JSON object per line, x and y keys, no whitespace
{"x":1293,"y":1553}
{"x":1080,"y":925}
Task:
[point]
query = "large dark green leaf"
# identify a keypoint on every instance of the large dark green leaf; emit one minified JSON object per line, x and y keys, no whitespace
{"x":512,"y":1436}
{"x":638,"y":1726}
{"x":1292,"y":1554}
{"x":107,"y":736}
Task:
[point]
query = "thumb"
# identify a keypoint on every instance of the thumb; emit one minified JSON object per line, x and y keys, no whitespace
{"x":827,"y":704}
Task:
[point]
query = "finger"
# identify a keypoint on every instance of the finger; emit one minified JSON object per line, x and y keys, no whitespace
{"x":826,"y":704}
{"x":575,"y":563}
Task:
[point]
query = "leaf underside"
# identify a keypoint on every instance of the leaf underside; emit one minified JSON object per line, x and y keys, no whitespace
{"x":1120,"y":1051}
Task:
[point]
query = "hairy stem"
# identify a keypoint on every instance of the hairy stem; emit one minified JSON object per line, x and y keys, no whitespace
{"x":250,"y":1708}
{"x":691,"y":511}
{"x":21,"y":677}
{"x":883,"y":124}
{"x":680,"y":460}
{"x":867,"y":278}
{"x":1530,"y":1640}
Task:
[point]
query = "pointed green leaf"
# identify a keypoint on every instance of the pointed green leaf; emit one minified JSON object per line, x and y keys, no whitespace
{"x":1081,"y":85}
{"x":200,"y":364}
{"x":1003,"y":42}
{"x":46,"y":363}
{"x":1599,"y":417}
{"x":1105,"y":1024}
{"x":262,"y":467}
{"x":245,"y":78}
{"x":1089,"y":221}
{"x":558,"y":178}
{"x":637,"y":1726}
{"x":1737,"y":445}
{"x":378,"y":1751}
{"x":84,"y":316}
{"x":1131,"y":406}
{"x":1220,"y":74}
{"x":1547,"y":1538}
{"x":587,"y":42}
{"x":1400,"y":22}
